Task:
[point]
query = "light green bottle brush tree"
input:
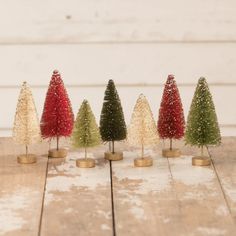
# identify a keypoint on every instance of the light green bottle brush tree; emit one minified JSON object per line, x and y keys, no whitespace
{"x":85,"y":134}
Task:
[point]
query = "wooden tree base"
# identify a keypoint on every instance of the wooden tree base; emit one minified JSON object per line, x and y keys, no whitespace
{"x":201,"y":161}
{"x":26,"y":159}
{"x":117,"y":156}
{"x":60,"y":153}
{"x":85,"y":163}
{"x":143,"y":162}
{"x":171,"y":153}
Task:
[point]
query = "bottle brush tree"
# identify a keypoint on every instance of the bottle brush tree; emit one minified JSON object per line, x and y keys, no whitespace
{"x":57,"y":118}
{"x":112,"y":122}
{"x":171,"y":121}
{"x":86,"y":132}
{"x":142,"y":130}
{"x":26,"y":128}
{"x":202,"y":125}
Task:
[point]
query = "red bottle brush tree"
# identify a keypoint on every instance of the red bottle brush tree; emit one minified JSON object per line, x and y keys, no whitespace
{"x":57,"y":118}
{"x":171,"y":123}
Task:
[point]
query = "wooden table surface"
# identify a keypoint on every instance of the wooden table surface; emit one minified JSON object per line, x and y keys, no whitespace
{"x":55,"y":198}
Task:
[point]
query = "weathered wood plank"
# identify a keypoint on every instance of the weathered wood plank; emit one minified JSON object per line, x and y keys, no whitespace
{"x":77,"y":201}
{"x":224,"y":161}
{"x":21,"y":190}
{"x":125,"y":63}
{"x":145,"y":203}
{"x":175,"y":200}
{"x":116,"y":21}
{"x":128,"y":95}
{"x":203,"y":207}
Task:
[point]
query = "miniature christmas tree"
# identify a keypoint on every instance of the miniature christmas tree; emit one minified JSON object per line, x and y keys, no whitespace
{"x":142,"y":130}
{"x":112,"y":122}
{"x":202,"y":125}
{"x":26,"y":128}
{"x":171,"y":117}
{"x":85,"y":133}
{"x":57,"y":118}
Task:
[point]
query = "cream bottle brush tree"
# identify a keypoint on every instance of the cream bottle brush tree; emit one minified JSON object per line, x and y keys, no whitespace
{"x":142,"y":130}
{"x":26,"y":128}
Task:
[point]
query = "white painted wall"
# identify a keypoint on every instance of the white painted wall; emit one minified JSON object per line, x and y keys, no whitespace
{"x":135,"y":42}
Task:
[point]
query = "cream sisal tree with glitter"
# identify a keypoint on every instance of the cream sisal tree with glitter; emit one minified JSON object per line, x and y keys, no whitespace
{"x":142,"y":130}
{"x":26,"y":128}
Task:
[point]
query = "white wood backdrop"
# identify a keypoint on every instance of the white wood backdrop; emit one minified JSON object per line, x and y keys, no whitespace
{"x":135,"y":42}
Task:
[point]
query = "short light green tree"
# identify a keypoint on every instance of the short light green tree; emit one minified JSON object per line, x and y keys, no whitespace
{"x":202,"y":125}
{"x":85,"y":132}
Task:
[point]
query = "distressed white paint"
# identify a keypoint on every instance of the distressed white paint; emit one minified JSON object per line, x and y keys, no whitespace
{"x":74,"y":177}
{"x":222,"y":210}
{"x":211,"y":231}
{"x":105,"y":227}
{"x":147,"y":176}
{"x":12,"y":207}
{"x":229,"y":188}
{"x":191,"y":175}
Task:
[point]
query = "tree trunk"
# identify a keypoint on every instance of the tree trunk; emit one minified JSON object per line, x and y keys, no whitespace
{"x":171,"y":144}
{"x":57,"y":143}
{"x":142,"y":154}
{"x":202,"y":151}
{"x":85,"y":150}
{"x":26,"y":150}
{"x":113,"y":146}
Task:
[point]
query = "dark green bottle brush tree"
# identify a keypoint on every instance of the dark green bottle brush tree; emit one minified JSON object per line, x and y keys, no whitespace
{"x":112,"y":122}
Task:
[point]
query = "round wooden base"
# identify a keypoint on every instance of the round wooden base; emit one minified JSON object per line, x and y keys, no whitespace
{"x":26,"y":159}
{"x":171,"y":153}
{"x":201,"y":161}
{"x":143,"y":162}
{"x":85,"y":163}
{"x":117,"y":156}
{"x":60,"y":153}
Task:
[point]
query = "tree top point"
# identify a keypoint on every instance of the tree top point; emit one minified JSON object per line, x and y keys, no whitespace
{"x":55,"y":72}
{"x":202,"y":79}
{"x":111,"y":81}
{"x":142,"y":96}
{"x":171,"y":76}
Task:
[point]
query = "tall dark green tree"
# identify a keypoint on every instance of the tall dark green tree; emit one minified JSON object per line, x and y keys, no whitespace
{"x":202,"y":125}
{"x":112,"y":122}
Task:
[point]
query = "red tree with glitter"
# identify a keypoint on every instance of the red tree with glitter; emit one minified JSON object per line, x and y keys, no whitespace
{"x":171,"y":122}
{"x":57,"y":118}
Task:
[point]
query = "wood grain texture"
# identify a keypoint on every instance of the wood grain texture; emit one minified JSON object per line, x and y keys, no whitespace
{"x":145,"y":203}
{"x":77,"y":201}
{"x":116,"y":21}
{"x":171,"y":198}
{"x":224,"y":159}
{"x":21,"y":191}
{"x":127,"y":64}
